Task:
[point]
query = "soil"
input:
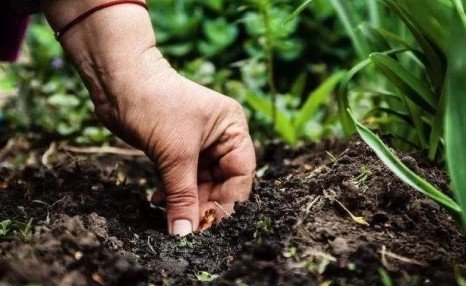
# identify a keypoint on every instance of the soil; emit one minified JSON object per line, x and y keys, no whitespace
{"x":92,"y":225}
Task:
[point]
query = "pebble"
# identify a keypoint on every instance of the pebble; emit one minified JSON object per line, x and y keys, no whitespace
{"x":340,"y":246}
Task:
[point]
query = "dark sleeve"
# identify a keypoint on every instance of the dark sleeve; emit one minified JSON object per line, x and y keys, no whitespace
{"x":22,"y":7}
{"x":12,"y":30}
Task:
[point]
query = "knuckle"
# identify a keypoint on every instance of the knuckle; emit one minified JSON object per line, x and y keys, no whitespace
{"x":236,"y":107}
{"x":182,"y":197}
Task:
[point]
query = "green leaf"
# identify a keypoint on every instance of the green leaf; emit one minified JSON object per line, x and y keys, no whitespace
{"x":459,"y":7}
{"x":298,"y":10}
{"x":374,"y":12}
{"x":316,"y":99}
{"x":342,"y":95}
{"x":436,"y":68}
{"x":401,"y":171}
{"x":385,"y":277}
{"x":348,"y":16}
{"x":375,"y":38}
{"x":392,"y":37}
{"x":178,"y":50}
{"x":204,"y":276}
{"x":455,"y":120}
{"x":342,"y":98}
{"x":220,"y":32}
{"x":282,"y":125}
{"x":63,"y":100}
{"x":410,"y":86}
{"x":437,"y":128}
{"x":299,"y":85}
{"x":403,"y":116}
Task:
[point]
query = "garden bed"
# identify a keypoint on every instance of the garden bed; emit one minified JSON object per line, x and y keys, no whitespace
{"x":92,"y":225}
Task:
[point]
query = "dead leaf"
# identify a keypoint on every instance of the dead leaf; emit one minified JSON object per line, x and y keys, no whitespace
{"x":207,"y":220}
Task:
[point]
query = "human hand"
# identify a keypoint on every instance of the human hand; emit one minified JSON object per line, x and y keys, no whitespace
{"x":198,"y":138}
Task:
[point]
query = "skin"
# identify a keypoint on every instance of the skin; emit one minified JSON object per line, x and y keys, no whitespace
{"x":198,"y":138}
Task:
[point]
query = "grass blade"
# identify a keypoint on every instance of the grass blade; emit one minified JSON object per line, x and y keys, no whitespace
{"x":375,"y":38}
{"x":400,"y":169}
{"x":392,"y":37}
{"x":374,"y":12}
{"x":348,"y":17}
{"x":315,"y":99}
{"x":282,"y":125}
{"x":455,"y":120}
{"x":437,"y":128}
{"x":410,"y":86}
{"x":402,"y":116}
{"x":459,"y":6}
{"x":342,"y":98}
{"x":298,"y":11}
{"x":436,"y":68}
{"x":342,"y":95}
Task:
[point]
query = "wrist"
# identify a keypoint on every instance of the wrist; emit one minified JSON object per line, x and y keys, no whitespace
{"x":108,"y":45}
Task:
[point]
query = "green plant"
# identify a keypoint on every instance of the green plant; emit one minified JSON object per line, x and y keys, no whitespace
{"x":185,"y":243}
{"x":204,"y":40}
{"x":5,"y":227}
{"x":403,"y":172}
{"x":204,"y":276}
{"x":333,"y":158}
{"x":50,"y":98}
{"x":360,"y":181}
{"x":26,"y":231}
{"x":263,"y":227}
{"x":455,"y":122}
{"x":417,"y":81}
{"x":385,"y":277}
{"x":290,"y":124}
{"x":290,"y":252}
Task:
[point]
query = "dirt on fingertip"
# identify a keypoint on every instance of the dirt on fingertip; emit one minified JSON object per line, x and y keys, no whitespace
{"x":324,"y":214}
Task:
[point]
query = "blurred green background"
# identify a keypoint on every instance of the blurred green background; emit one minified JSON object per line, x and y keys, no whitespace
{"x":284,"y":61}
{"x":222,"y":44}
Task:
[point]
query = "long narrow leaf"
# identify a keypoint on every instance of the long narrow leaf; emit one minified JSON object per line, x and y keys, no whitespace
{"x":315,"y":99}
{"x":402,"y":116}
{"x":298,"y":10}
{"x":282,"y":125}
{"x":459,"y":6}
{"x":375,"y":38}
{"x":401,"y":171}
{"x":347,"y":16}
{"x":342,"y":95}
{"x":342,"y":98}
{"x":405,"y":81}
{"x":436,"y":68}
{"x":437,"y":128}
{"x":392,"y":37}
{"x":374,"y":12}
{"x":455,"y":120}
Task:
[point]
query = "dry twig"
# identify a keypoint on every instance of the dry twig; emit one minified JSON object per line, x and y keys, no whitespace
{"x":220,"y":207}
{"x":47,"y":154}
{"x":7,"y":149}
{"x":385,"y":253}
{"x":104,"y":150}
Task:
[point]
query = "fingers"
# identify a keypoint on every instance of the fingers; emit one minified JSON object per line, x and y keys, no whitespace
{"x":236,"y":189}
{"x":181,"y":198}
{"x":221,"y":210}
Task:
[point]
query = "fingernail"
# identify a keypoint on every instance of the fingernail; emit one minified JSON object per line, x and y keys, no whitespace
{"x":182,"y":227}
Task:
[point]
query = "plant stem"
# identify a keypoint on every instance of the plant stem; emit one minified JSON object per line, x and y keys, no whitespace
{"x":265,"y":7}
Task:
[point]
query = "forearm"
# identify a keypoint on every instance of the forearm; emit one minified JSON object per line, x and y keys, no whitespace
{"x":108,"y":44}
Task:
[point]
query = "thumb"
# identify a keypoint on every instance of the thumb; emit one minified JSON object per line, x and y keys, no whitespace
{"x":181,"y":198}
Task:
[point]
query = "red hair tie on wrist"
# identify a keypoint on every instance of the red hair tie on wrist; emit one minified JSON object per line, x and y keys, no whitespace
{"x":82,"y":17}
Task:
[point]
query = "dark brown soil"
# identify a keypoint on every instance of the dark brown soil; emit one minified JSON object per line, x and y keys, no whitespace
{"x":92,"y":225}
